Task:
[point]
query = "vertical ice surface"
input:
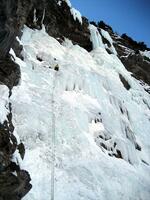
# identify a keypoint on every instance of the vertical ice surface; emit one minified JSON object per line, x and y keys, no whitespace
{"x":4,"y":110}
{"x":107,"y":36}
{"x":95,"y":37}
{"x":98,"y":121}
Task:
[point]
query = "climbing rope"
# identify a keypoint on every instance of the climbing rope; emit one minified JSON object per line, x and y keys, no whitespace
{"x":53,"y":140}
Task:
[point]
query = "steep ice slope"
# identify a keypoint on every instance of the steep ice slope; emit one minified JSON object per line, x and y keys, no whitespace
{"x":94,"y":117}
{"x":106,"y":35}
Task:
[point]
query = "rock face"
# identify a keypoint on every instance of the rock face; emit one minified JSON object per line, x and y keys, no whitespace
{"x":13,"y":15}
{"x":14,"y":182}
{"x":129,"y":53}
{"x":138,"y":66}
{"x":57,"y":19}
{"x":59,"y":22}
{"x":12,"y":18}
{"x":9,"y":72}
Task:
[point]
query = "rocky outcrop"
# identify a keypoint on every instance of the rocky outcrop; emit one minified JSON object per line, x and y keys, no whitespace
{"x":138,"y":66}
{"x":13,"y":14}
{"x":9,"y":72}
{"x":59,"y":22}
{"x":14,"y":187}
{"x":129,"y":53}
{"x":57,"y":19}
{"x":14,"y":182}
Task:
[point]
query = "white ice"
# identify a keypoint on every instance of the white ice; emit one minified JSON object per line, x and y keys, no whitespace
{"x":76,"y":14}
{"x":107,"y":36}
{"x":95,"y":37}
{"x":87,"y":99}
{"x":4,"y":103}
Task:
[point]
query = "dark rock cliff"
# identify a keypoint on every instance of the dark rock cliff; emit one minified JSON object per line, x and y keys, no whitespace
{"x":129,"y":53}
{"x":59,"y":22}
{"x":14,"y":182}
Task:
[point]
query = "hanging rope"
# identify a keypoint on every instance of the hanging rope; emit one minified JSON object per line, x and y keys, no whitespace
{"x":53,"y":140}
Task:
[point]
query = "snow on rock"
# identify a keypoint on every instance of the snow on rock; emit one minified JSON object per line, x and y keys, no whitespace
{"x":76,"y":15}
{"x":67,"y":43}
{"x":101,"y":128}
{"x":95,"y":37}
{"x":145,"y":85}
{"x":4,"y":108}
{"x":59,"y":2}
{"x":106,"y":35}
{"x":145,"y":53}
{"x":68,"y":2}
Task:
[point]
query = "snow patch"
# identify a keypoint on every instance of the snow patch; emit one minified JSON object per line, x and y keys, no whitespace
{"x":76,"y":15}
{"x":145,"y":53}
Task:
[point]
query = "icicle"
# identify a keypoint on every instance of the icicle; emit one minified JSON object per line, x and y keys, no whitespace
{"x":43,"y":16}
{"x":107,"y":36}
{"x":34,"y":19}
{"x":95,"y":37}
